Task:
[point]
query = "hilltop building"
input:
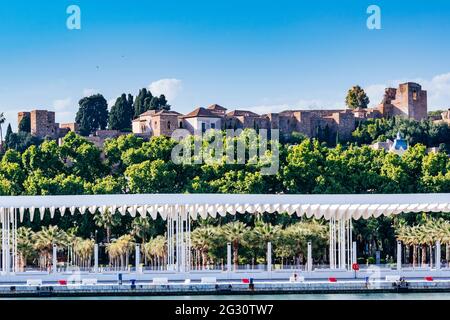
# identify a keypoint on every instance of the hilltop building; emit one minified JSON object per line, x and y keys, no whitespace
{"x":408,"y":100}
{"x":445,"y":117}
{"x":43,"y":125}
{"x":398,"y":146}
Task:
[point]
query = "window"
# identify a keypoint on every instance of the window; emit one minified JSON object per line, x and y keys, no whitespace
{"x":168,"y":124}
{"x":213,"y":125}
{"x":203,"y":127}
{"x":415,"y":95}
{"x":181,"y":124}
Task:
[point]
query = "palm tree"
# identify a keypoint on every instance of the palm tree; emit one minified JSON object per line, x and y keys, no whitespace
{"x":264,"y":233}
{"x":2,"y":121}
{"x":44,"y":241}
{"x":408,"y":235}
{"x":202,"y":240}
{"x":155,"y":250}
{"x":423,"y":235}
{"x":236,"y":233}
{"x":141,"y":228}
{"x":84,"y":248}
{"x":107,"y":221}
{"x":25,"y":246}
{"x":119,"y":250}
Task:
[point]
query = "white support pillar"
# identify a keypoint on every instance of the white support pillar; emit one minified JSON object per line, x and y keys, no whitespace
{"x":354,"y":255}
{"x":2,"y":221}
{"x":228,"y":257}
{"x":447,"y":252}
{"x":309,"y":261}
{"x":96,"y":258}
{"x":269,"y":257}
{"x":6,"y":249}
{"x":399,"y":255}
{"x":332,"y":242}
{"x":438,"y":255}
{"x":137,"y":257}
{"x":55,"y":259}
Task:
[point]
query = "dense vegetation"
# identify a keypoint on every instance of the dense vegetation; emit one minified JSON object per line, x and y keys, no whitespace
{"x":128,"y":164}
{"x":425,"y":132}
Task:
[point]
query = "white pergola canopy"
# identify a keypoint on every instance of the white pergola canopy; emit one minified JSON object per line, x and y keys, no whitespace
{"x":342,"y":206}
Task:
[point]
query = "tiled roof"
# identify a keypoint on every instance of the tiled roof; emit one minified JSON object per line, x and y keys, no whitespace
{"x":240,"y":113}
{"x":216,"y":107}
{"x":159,"y":113}
{"x":201,"y":112}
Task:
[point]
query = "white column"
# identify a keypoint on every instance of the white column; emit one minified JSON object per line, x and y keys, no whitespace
{"x":137,"y":259}
{"x":2,"y":221}
{"x":96,"y":257}
{"x":54,"y":258}
{"x":438,"y":255}
{"x":332,"y":248}
{"x":228,"y":257}
{"x":6,"y":221}
{"x":269,"y":256}
{"x":354,"y":256}
{"x":399,"y":255}
{"x":341,"y":244}
{"x":447,"y":252}
{"x":309,"y":262}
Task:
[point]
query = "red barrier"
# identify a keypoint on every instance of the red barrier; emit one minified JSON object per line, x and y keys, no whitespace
{"x":245,"y":280}
{"x":429,"y":278}
{"x":62,"y":282}
{"x":332,"y":279}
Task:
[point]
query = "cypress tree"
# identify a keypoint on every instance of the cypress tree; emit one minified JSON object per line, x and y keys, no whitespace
{"x":121,"y":113}
{"x":142,"y":102}
{"x":25,"y":124}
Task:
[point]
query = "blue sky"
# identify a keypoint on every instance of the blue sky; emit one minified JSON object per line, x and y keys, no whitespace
{"x":258,"y":55}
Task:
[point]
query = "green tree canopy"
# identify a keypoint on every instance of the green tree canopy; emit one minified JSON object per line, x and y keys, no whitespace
{"x":121,"y":113}
{"x":92,"y":114}
{"x":25,"y":123}
{"x":142,"y":102}
{"x":356,"y":98}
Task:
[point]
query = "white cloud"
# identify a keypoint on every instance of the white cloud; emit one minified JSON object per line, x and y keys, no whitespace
{"x":111,"y":102}
{"x":169,"y":87}
{"x":375,"y":93}
{"x":62,"y":104}
{"x":89,"y":92}
{"x":65,"y":110}
{"x":438,"y":91}
{"x":438,"y":88}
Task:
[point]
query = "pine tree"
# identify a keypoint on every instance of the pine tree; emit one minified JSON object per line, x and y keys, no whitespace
{"x":356,"y":98}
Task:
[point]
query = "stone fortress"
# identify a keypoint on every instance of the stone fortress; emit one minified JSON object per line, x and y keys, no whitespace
{"x":42,"y":124}
{"x":408,"y":100}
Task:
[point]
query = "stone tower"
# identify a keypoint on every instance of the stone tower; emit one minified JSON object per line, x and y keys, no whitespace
{"x":410,"y":101}
{"x":43,"y":124}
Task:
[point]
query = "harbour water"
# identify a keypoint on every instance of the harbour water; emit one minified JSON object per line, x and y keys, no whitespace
{"x":331,"y":296}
